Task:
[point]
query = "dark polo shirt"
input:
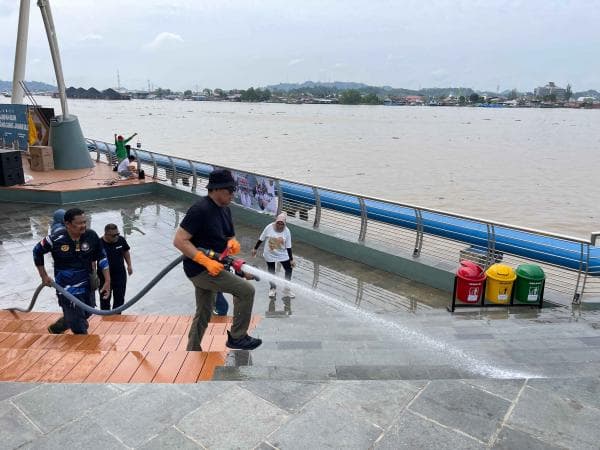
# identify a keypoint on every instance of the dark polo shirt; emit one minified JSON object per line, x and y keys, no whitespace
{"x":211,"y":227}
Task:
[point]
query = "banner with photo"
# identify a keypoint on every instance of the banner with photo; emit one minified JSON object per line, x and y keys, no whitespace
{"x":14,"y":125}
{"x":255,"y":192}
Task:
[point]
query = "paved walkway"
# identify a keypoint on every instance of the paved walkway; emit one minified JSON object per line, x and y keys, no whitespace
{"x":364,"y":360}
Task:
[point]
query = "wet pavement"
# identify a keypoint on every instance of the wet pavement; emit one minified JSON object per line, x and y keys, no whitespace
{"x":358,"y":359}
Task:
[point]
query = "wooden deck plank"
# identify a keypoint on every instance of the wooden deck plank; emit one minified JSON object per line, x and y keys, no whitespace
{"x":105,"y":368}
{"x":151,"y":318}
{"x":148,"y":368}
{"x":124,"y":342}
{"x":219,"y":328}
{"x":102,"y":327}
{"x":139,"y":342}
{"x":183,"y":343}
{"x":86,"y":365}
{"x":213,"y":359}
{"x":91,"y":342}
{"x":171,"y":343}
{"x":4,"y":336}
{"x":155,"y":343}
{"x":167,"y":328}
{"x":170,"y":367}
{"x":62,"y":367}
{"x":217,"y":344}
{"x":141,"y":328}
{"x":27,"y":341}
{"x":206,"y":342}
{"x":42,"y":365}
{"x":154,"y":328}
{"x":125,"y":348}
{"x":191,"y":367}
{"x":10,"y":356}
{"x":128,"y":327}
{"x":12,"y":340}
{"x":9,"y":326}
{"x":26,"y":359}
{"x":43,"y":340}
{"x":127,"y":367}
{"x":115,"y":328}
{"x":52,"y":341}
{"x":181,"y":327}
{"x":72,"y":341}
{"x":108,"y":341}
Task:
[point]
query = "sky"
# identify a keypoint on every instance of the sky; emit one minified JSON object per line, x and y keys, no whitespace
{"x":194,"y":44}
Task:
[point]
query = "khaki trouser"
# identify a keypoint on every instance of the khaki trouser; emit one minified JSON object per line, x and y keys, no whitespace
{"x":207,"y":287}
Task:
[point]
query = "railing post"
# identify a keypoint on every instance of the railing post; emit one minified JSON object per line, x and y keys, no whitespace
{"x":317,"y":221}
{"x":578,"y":294}
{"x":279,"y":197}
{"x":419,"y":238}
{"x":491,"y":245}
{"x":154,"y":166}
{"x":363,"y":220}
{"x":173,"y":171}
{"x":194,"y":176}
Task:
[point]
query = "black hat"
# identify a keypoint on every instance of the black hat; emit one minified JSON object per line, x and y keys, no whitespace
{"x":220,"y":179}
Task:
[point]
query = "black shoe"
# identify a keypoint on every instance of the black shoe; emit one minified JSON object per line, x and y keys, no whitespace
{"x":244,"y":343}
{"x":58,"y":327}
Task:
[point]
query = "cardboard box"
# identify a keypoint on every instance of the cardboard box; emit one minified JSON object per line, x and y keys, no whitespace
{"x":42,"y":158}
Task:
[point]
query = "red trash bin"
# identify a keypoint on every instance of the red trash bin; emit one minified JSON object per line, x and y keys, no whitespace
{"x":469,"y":282}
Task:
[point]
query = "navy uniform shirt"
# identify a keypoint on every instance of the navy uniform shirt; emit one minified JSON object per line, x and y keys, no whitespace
{"x":114,"y":253}
{"x":72,"y":259}
{"x":211,"y":227}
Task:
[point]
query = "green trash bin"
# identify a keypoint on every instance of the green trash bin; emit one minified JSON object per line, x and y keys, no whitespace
{"x":529,"y":285}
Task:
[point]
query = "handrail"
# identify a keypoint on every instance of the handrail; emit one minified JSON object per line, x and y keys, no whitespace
{"x":396,"y":203}
{"x":573,"y":262}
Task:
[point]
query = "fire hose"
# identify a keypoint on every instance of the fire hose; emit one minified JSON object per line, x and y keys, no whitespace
{"x":224,"y":258}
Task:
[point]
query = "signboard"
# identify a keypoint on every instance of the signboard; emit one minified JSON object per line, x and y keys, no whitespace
{"x":14,"y":126}
{"x":254,"y":192}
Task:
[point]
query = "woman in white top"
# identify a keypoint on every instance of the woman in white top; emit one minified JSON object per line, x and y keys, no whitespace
{"x":278,"y":249}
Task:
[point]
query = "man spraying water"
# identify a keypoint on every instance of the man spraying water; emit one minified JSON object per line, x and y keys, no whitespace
{"x":208,"y":225}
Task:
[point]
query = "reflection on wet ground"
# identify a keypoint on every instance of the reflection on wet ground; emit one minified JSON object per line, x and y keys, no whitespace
{"x":347,"y":321}
{"x":369,"y":354}
{"x":148,"y":225}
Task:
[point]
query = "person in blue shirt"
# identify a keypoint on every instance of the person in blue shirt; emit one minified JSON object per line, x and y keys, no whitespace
{"x":58,"y":221}
{"x":76,"y":251}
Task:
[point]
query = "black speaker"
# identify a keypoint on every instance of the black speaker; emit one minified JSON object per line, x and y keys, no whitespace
{"x":11,"y":168}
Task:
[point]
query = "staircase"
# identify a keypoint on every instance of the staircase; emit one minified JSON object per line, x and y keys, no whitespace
{"x":118,"y":349}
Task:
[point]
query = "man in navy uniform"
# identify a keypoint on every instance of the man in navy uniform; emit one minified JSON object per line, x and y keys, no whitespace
{"x":75,"y":251}
{"x":117,"y":251}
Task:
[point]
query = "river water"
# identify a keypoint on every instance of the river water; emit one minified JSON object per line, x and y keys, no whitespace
{"x":536,"y":168}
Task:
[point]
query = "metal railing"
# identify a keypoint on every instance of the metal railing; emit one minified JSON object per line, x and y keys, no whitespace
{"x":399,"y":228}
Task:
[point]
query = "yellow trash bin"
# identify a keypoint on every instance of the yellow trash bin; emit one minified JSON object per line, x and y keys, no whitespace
{"x":500,"y":279}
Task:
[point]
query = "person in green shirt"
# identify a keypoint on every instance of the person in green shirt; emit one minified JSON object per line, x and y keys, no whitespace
{"x":121,"y":152}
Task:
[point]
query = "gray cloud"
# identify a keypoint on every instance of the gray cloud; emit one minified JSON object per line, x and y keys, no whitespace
{"x":477,"y":43}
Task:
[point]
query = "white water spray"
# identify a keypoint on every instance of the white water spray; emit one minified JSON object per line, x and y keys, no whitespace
{"x":461,"y":358}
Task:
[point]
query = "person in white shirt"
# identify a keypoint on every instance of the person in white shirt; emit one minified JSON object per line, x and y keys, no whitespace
{"x":125,"y":167}
{"x":278,"y":249}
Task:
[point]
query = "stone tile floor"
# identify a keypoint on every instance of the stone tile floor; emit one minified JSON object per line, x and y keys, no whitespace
{"x":365,"y":360}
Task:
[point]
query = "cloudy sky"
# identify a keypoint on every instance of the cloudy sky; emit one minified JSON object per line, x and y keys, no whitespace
{"x":184,"y":44}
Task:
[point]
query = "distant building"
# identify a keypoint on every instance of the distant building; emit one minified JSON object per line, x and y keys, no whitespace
{"x":414,"y":100}
{"x":549,"y":89}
